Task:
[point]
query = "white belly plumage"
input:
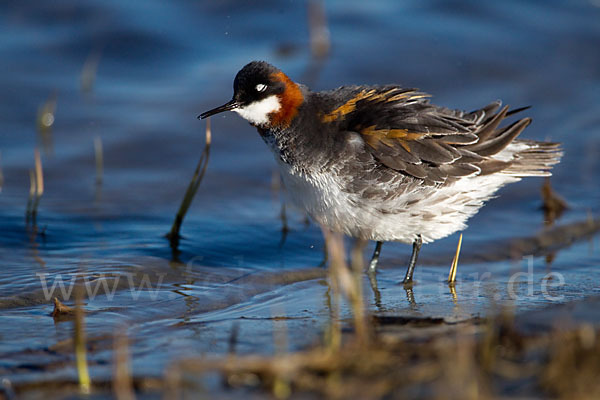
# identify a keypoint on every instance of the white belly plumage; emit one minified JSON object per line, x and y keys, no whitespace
{"x":429,"y":211}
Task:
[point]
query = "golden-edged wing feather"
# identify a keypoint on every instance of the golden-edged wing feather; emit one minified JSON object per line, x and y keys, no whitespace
{"x":403,"y":131}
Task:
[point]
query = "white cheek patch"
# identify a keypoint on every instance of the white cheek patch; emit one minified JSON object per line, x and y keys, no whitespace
{"x":258,"y":112}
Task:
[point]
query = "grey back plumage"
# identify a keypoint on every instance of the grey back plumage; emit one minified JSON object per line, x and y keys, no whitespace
{"x":405,"y":133}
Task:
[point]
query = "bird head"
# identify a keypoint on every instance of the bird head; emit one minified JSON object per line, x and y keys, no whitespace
{"x":263,"y":95}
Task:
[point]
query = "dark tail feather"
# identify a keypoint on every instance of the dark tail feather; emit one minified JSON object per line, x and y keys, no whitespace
{"x":525,"y":158}
{"x":485,"y":114}
{"x":505,"y":136}
{"x":490,"y":126}
{"x":517,"y":110}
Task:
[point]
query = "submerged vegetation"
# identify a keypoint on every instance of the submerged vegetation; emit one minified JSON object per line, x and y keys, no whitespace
{"x":425,"y":358}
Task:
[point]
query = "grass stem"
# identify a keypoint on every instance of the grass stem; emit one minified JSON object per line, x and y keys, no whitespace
{"x":454,"y":266}
{"x":192,"y":188}
{"x":80,"y":343}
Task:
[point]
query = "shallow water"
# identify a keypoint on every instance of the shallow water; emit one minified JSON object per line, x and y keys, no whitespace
{"x":159,"y":65}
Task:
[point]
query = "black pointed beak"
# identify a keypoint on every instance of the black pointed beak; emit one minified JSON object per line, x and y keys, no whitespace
{"x":232,"y":105}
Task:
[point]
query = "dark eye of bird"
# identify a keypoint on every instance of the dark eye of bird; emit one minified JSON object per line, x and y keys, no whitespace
{"x":261,"y":87}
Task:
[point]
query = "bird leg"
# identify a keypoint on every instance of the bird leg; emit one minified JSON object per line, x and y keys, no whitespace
{"x":374,"y":259}
{"x":408,"y":279}
{"x":371,"y":270}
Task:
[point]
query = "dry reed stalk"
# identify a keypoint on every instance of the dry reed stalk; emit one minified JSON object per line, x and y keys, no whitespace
{"x":30,"y":199}
{"x":347,"y":282}
{"x":454,"y":265}
{"x":122,"y":381}
{"x":356,"y":299}
{"x":333,"y":335}
{"x":39,"y":174}
{"x":36,"y":189}
{"x":39,"y":184}
{"x":281,"y":384}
